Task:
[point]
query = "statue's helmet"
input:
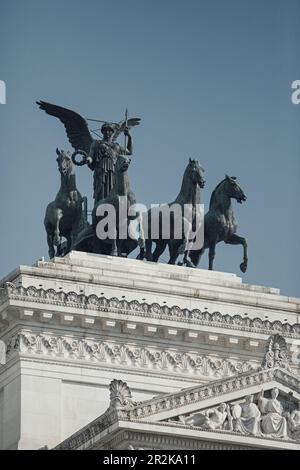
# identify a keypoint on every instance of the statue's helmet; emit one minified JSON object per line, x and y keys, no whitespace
{"x":107,"y":125}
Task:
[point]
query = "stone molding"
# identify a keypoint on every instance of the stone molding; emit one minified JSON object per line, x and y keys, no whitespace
{"x":199,"y":393}
{"x":114,"y":353}
{"x":135,"y":308}
{"x":148,"y":441}
{"x":89,"y":432}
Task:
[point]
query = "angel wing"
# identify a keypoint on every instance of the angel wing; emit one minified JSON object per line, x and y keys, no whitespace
{"x":120,"y":126}
{"x":76,"y":126}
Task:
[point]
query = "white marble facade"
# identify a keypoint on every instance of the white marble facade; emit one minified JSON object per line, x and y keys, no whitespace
{"x":73,"y":325}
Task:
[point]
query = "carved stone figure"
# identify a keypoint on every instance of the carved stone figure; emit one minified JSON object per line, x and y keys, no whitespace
{"x":276,"y":355}
{"x":246,"y":417}
{"x":213,"y":418}
{"x":220,"y":223}
{"x":273,"y":423}
{"x":294,"y":423}
{"x":99,"y":155}
{"x":64,"y":215}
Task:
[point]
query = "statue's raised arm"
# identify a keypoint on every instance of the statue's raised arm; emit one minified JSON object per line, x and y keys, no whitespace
{"x":125,"y":126}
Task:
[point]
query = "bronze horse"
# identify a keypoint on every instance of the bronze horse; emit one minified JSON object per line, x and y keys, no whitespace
{"x":64,"y":214}
{"x":220,"y":223}
{"x":121,"y":199}
{"x":188,"y":197}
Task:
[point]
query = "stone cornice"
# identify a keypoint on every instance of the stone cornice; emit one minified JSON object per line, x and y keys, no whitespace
{"x":200,"y":393}
{"x":153,"y":441}
{"x":90,"y":432}
{"x":135,"y":308}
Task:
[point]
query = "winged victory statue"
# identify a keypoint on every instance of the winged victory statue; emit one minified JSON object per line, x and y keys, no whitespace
{"x":100,"y":155}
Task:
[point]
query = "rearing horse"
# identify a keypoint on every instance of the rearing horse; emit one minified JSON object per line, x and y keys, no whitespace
{"x":220,"y":223}
{"x":64,"y":214}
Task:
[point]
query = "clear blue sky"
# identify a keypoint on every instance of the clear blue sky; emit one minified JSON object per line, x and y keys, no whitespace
{"x":210,"y":79}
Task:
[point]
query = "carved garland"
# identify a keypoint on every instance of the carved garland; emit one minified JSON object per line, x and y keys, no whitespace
{"x":136,"y":308}
{"x":123,"y":354}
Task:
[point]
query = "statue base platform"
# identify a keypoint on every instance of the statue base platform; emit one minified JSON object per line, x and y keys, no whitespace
{"x":71,"y":325}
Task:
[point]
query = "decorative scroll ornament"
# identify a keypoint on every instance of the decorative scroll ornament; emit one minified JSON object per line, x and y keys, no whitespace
{"x":276,"y":355}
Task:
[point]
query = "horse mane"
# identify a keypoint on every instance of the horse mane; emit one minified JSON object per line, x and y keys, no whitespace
{"x":214,"y":191}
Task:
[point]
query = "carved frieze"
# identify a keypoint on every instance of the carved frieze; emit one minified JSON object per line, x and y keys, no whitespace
{"x":270,"y":417}
{"x":123,"y":354}
{"x":134,"y":308}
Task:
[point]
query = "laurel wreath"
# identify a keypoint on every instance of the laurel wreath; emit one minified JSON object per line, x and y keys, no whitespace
{"x":83,"y":161}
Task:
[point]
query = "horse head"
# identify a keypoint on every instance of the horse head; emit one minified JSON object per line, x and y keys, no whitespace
{"x":64,"y":162}
{"x":195,"y":173}
{"x":122,"y":164}
{"x":233,"y":190}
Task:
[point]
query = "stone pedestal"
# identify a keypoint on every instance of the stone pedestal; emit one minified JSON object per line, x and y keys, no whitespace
{"x":74,"y":324}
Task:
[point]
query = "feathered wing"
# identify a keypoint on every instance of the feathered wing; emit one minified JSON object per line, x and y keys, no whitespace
{"x":122,"y":124}
{"x":76,"y":126}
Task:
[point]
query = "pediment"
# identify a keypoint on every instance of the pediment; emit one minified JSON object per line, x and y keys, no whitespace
{"x":263,"y":406}
{"x":233,"y":388}
{"x":245,"y":404}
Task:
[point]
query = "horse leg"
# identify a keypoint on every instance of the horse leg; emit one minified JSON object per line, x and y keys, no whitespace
{"x":114,"y":246}
{"x":211,"y":255}
{"x":141,"y":255}
{"x":187,"y":260}
{"x":122,"y":248}
{"x":160,"y":248}
{"x":237,"y":240}
{"x":58,"y":216}
{"x":184,"y":247}
{"x":141,"y":239}
{"x":69,"y":244}
{"x":173,"y":249}
{"x":194,"y":256}
{"x":148,"y":254}
{"x":50,"y":238}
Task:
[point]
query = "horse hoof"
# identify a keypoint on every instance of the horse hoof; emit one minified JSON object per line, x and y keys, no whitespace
{"x":114,"y":253}
{"x":182,"y":249}
{"x":189,"y":264}
{"x":180,"y":263}
{"x":243,"y":267}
